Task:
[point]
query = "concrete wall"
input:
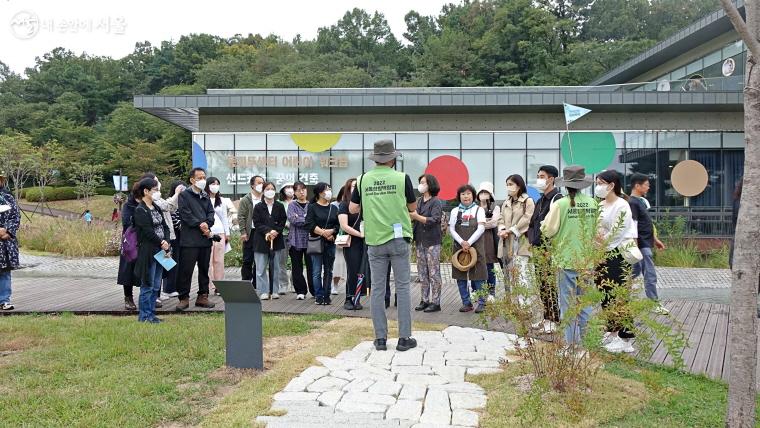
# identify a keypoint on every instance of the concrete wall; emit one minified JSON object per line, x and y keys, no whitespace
{"x":697,"y":121}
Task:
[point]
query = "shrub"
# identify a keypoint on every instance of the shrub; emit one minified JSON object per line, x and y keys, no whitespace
{"x":34,"y":194}
{"x":106,"y":191}
{"x":682,"y":252}
{"x":70,"y":238}
{"x":235,"y":256}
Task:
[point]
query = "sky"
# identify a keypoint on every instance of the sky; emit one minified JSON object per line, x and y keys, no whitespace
{"x":31,"y":28}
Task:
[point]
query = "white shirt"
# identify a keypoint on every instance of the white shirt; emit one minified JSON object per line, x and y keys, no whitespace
{"x":255,"y":202}
{"x":608,"y":223}
{"x":474,"y":213}
{"x":221,"y":221}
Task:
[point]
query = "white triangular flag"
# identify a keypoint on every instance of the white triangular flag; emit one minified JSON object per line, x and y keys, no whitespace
{"x":573,"y":113}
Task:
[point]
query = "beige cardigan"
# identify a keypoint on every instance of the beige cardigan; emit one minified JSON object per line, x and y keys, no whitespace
{"x":515,"y":217}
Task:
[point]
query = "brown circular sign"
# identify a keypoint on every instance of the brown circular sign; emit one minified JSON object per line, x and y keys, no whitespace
{"x":689,"y":178}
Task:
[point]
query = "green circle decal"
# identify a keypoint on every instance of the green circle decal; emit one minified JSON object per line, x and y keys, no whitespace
{"x":594,"y":151}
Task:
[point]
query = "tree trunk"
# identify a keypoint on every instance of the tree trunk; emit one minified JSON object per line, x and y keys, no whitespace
{"x":746,"y":277}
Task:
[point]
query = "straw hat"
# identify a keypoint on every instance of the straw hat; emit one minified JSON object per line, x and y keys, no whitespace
{"x":464,"y":260}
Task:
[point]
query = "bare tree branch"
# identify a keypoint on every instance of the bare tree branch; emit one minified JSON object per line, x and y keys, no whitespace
{"x":741,"y":27}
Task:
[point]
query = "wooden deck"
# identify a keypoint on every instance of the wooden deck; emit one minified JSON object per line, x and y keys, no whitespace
{"x":704,"y":324}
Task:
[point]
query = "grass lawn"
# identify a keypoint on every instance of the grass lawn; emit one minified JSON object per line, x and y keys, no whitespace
{"x":101,"y":206}
{"x":627,"y":393}
{"x":89,"y":371}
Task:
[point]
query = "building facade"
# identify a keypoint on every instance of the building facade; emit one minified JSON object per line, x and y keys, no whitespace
{"x":680,"y":100}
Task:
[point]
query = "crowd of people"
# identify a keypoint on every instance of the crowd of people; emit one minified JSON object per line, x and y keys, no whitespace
{"x":369,"y":229}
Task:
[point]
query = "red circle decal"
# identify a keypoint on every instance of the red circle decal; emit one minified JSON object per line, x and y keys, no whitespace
{"x":450,"y":172}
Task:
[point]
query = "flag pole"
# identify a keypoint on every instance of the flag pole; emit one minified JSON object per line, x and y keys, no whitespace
{"x":570,"y":142}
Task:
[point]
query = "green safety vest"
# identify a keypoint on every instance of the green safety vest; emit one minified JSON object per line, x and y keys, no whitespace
{"x":574,"y":222}
{"x":383,"y":202}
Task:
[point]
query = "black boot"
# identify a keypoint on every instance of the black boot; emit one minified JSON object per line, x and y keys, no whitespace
{"x":422,"y":306}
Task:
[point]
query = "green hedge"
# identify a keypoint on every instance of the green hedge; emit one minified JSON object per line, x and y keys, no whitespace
{"x":107,"y":191}
{"x":34,"y":194}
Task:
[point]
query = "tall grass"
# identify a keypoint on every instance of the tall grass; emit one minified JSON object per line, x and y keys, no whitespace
{"x":683,"y":252}
{"x":69,"y":238}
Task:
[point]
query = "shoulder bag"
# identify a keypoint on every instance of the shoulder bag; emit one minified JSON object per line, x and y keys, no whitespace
{"x":316,"y":244}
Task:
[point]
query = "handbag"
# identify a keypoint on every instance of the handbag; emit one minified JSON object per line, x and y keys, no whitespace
{"x":344,"y":239}
{"x":631,"y":252}
{"x":129,"y":243}
{"x":316,"y":244}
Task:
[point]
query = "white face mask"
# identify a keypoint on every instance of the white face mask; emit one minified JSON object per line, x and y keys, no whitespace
{"x":259,"y":188}
{"x":512,"y":190}
{"x":601,"y":191}
{"x":269,"y":194}
{"x":201,"y":184}
{"x":289,"y":193}
{"x":327,"y":195}
{"x":422,"y":188}
{"x":155,"y":195}
{"x":214,"y":188}
{"x":541,"y":184}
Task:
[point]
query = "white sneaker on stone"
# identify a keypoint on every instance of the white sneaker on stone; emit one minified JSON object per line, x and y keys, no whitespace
{"x":174,"y":294}
{"x":618,"y":345}
{"x":275,"y":296}
{"x":265,"y":296}
{"x":7,"y":306}
{"x":661,"y":310}
{"x":300,"y":297}
{"x":164,"y":296}
{"x":333,"y":291}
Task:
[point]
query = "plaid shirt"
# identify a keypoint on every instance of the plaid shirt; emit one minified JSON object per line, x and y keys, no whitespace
{"x":298,"y":237}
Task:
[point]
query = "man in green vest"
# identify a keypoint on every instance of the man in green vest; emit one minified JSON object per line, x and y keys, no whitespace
{"x":385,"y":197}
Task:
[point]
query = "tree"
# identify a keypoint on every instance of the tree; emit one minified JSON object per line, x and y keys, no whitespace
{"x":86,"y":178}
{"x":49,"y":162}
{"x":742,"y":387}
{"x":17,"y":157}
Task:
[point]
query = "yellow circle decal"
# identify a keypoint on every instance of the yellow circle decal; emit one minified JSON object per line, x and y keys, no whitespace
{"x":315,"y":143}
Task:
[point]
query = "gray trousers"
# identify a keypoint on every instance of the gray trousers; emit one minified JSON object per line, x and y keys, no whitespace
{"x":262,"y":271}
{"x":395,"y":251}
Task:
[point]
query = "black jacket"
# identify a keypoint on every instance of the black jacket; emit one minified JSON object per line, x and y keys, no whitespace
{"x":539,"y":214}
{"x":194,"y":209}
{"x":126,"y":269}
{"x":147,"y":241}
{"x":264,"y":223}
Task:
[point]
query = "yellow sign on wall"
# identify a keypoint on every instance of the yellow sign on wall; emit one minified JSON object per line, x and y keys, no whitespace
{"x":315,"y":143}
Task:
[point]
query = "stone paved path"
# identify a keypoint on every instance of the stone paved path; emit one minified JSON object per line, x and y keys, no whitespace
{"x":422,"y":387}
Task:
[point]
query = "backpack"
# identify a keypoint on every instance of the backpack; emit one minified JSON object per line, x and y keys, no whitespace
{"x":129,"y":244}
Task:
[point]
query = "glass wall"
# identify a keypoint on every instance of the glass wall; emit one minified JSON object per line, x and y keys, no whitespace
{"x":235,"y":157}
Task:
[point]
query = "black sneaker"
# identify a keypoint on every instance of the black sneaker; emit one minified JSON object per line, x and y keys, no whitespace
{"x":380,"y":345}
{"x":422,"y":306}
{"x":349,"y":306}
{"x":327,"y":301}
{"x":358,"y":307}
{"x":433,"y":308}
{"x":406,"y":343}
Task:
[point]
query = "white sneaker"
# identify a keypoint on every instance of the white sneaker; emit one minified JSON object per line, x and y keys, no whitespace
{"x":661,"y":310}
{"x":275,"y":296}
{"x":550,"y":327}
{"x":164,"y":296}
{"x":300,"y":297}
{"x":333,"y":291}
{"x":7,"y":306}
{"x":490,"y":298}
{"x":265,"y":296}
{"x":174,"y":294}
{"x":608,"y":337}
{"x":618,"y":345}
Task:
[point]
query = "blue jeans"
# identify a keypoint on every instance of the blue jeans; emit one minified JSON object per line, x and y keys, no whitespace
{"x":5,"y":287}
{"x":322,"y":271}
{"x":491,"y":279}
{"x":149,"y":292}
{"x":569,"y":290}
{"x":646,"y":266}
{"x":464,"y":292}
